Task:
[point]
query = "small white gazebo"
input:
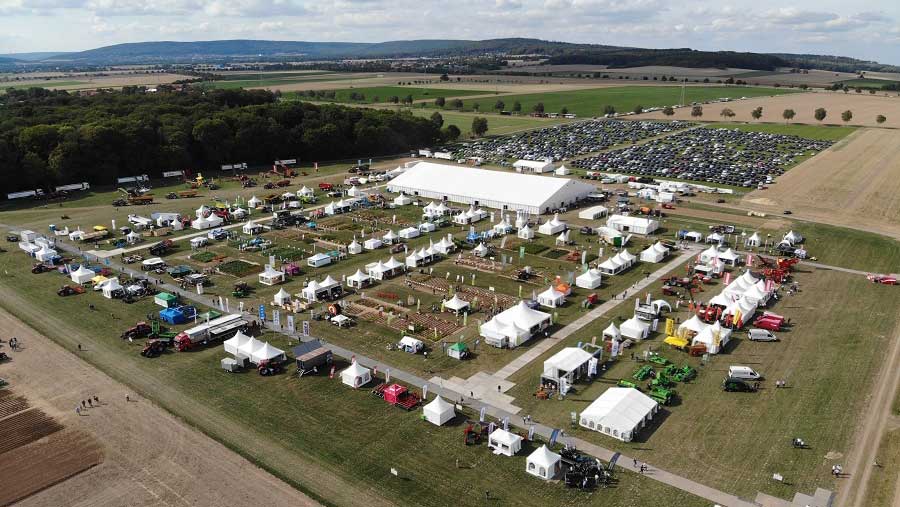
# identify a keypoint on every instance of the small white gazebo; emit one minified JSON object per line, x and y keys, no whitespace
{"x":611,"y":332}
{"x":354,"y":247}
{"x":551,"y":298}
{"x":455,"y":304}
{"x":590,"y":279}
{"x":543,"y":463}
{"x":254,"y":202}
{"x":504,"y":443}
{"x":356,"y":375}
{"x":525,"y":232}
{"x":271,"y":276}
{"x":438,"y":411}
{"x":282,"y":298}
{"x":359,"y":280}
{"x":82,"y":275}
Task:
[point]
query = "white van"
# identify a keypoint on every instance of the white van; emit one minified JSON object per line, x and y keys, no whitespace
{"x":743,"y":373}
{"x":761,"y":335}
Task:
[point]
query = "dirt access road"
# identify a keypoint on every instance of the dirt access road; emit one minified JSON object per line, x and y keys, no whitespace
{"x":860,"y":461}
{"x":150,"y":457}
{"x":855,"y":183}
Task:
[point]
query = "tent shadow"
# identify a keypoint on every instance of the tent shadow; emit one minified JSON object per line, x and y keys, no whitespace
{"x":648,"y":430}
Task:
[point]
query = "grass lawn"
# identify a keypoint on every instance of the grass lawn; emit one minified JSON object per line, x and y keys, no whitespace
{"x":41,"y":84}
{"x":382,"y":94}
{"x":715,"y":437}
{"x":829,"y":133}
{"x":267,"y":80}
{"x":590,"y":102}
{"x":883,"y":481}
{"x":326,"y":427}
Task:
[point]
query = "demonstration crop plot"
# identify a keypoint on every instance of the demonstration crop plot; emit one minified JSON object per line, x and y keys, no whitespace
{"x":203,"y":257}
{"x":239,"y":268}
{"x":287,"y":253}
{"x":534,"y":248}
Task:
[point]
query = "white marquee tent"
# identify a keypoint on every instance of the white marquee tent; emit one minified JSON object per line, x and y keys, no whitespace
{"x":438,"y":411}
{"x":543,"y":463}
{"x":635,"y":328}
{"x":356,"y":375}
{"x":620,"y":412}
{"x":504,"y":443}
{"x":590,"y":279}
{"x":514,"y":326}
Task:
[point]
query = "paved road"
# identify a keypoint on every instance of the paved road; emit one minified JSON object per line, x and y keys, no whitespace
{"x":663,"y":476}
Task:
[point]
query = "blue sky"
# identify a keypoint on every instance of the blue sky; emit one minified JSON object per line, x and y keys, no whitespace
{"x":867,"y":29}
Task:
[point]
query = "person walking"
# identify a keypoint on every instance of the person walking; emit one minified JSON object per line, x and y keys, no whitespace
{"x":78,"y":411}
{"x":96,"y":400}
{"x":90,"y":402}
{"x":127,"y":398}
{"x":635,"y":462}
{"x":82,"y":404}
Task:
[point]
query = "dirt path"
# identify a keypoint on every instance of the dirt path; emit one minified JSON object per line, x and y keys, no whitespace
{"x":172,"y":464}
{"x":151,"y":458}
{"x":864,"y":451}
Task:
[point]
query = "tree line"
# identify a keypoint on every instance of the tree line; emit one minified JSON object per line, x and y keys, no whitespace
{"x":52,"y":137}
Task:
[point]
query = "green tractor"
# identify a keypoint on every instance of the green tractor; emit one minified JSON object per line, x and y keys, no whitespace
{"x":627,"y":383}
{"x":661,"y":380}
{"x":662,"y":395}
{"x":643,"y":373}
{"x":241,"y":290}
{"x":685,"y":374}
{"x":658,"y":359}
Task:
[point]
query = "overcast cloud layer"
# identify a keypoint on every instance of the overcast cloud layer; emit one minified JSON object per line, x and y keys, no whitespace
{"x":865,"y":29}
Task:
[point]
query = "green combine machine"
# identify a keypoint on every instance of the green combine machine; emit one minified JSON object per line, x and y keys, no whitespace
{"x":662,"y":395}
{"x":643,"y":373}
{"x":658,"y":359}
{"x":685,"y":374}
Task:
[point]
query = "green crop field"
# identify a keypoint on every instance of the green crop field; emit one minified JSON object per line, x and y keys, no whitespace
{"x":591,"y":102}
{"x":869,"y":83}
{"x":382,"y":94}
{"x":266,"y":80}
{"x":826,"y":133}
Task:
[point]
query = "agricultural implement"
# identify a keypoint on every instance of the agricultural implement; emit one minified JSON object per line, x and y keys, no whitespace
{"x":662,"y":395}
{"x":658,"y":359}
{"x":627,"y":383}
{"x":685,"y":374}
{"x":270,"y":367}
{"x":474,"y":433}
{"x":40,"y":267}
{"x":155,"y":348}
{"x":162,"y":247}
{"x":643,"y":373}
{"x":661,"y":380}
{"x":241,"y":290}
{"x":583,"y":471}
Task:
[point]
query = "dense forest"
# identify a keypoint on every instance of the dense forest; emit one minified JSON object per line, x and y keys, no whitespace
{"x":673,"y":57}
{"x":52,"y":137}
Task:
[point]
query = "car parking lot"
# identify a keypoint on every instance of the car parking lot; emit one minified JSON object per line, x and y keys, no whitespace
{"x":724,"y":156}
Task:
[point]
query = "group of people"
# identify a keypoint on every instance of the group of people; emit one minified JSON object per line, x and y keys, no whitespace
{"x":90,"y":402}
{"x":13,"y":343}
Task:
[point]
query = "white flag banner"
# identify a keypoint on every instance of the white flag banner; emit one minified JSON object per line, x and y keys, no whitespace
{"x":424,"y":391}
{"x":276,"y":318}
{"x":614,"y":349}
{"x":199,"y":288}
{"x":290,"y":323}
{"x":592,"y":366}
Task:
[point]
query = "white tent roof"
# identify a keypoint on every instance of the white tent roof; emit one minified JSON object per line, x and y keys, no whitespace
{"x":439,"y":411}
{"x":248,"y":347}
{"x":610,"y":264}
{"x":271,"y":272}
{"x":305,"y":191}
{"x":543,"y":457}
{"x":282,"y":295}
{"x":480,"y":249}
{"x":754,"y":238}
{"x":328,"y":282}
{"x":359,"y":276}
{"x":626,"y":256}
{"x":620,"y":408}
{"x":254,"y":202}
{"x":728,"y":255}
{"x":568,"y":359}
{"x":487,"y":186}
{"x":505,"y":437}
{"x":82,"y":274}
{"x":588,"y":278}
{"x":612,"y":330}
{"x":355,"y":369}
{"x":634,"y":328}
{"x":389,"y":236}
{"x":318,"y":257}
{"x":233,"y":344}
{"x":551,"y":294}
{"x":393,"y":263}
{"x":517,"y":320}
{"x":455,"y":303}
{"x":694,"y":324}
{"x":265,"y":353}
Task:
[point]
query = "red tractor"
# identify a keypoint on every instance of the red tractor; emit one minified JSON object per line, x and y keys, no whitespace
{"x":270,"y":367}
{"x":154,"y":348}
{"x":777,"y":275}
{"x":139,"y":330}
{"x":787,"y":264}
{"x":69,"y":290}
{"x":326,"y":186}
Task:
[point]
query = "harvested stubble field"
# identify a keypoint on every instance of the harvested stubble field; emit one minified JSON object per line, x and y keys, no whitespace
{"x":865,"y":108}
{"x":856,"y":183}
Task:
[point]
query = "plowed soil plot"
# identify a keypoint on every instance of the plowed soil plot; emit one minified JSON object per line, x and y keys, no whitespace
{"x":24,"y":428}
{"x":11,"y":403}
{"x":43,"y":463}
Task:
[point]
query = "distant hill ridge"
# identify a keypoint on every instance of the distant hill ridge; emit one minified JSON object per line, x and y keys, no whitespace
{"x":558,"y":53}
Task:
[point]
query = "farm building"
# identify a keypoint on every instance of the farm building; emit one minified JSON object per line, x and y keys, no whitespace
{"x":493,"y":189}
{"x":620,"y":412}
{"x":438,"y":411}
{"x":514,"y":326}
{"x":504,"y":443}
{"x":636,"y":225}
{"x":543,"y":463}
{"x":533,"y":166}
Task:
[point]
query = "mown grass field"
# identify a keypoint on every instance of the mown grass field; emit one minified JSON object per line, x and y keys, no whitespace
{"x":382,"y":94}
{"x":269,"y":80}
{"x":591,"y":102}
{"x":825,"y":133}
{"x":40,"y":84}
{"x":327,"y":427}
{"x":869,"y":83}
{"x":716,"y":437}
